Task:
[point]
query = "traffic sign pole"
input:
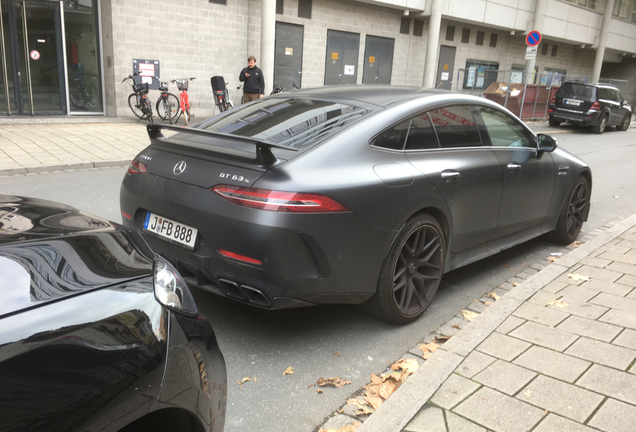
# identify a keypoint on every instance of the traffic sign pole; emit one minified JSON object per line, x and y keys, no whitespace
{"x":533,"y":39}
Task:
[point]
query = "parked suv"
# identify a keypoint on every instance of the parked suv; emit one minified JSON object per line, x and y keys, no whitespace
{"x":596,"y":105}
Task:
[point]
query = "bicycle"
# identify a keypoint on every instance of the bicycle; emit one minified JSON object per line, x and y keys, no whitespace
{"x":184,"y":100}
{"x":221,"y":95}
{"x":138,"y":99}
{"x":83,"y":92}
{"x":168,"y":104}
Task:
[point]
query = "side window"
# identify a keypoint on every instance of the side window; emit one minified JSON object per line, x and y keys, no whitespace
{"x":602,"y":93}
{"x":616,"y":96}
{"x":504,"y":131}
{"x":421,"y":134}
{"x":393,"y":138}
{"x":455,"y":127}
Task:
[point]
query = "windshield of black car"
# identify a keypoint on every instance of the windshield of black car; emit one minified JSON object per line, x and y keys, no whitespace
{"x":579,"y":91}
{"x":288,"y":122}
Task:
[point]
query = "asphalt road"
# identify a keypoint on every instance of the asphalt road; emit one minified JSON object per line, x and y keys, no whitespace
{"x":261,"y":344}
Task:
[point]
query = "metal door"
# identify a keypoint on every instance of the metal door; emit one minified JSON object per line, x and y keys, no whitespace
{"x":378,"y":60}
{"x":32,"y":62}
{"x":341,"y":63}
{"x":288,"y":59}
{"x":445,"y":67}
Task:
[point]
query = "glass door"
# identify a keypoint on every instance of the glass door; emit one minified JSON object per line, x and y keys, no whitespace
{"x":33,"y":55}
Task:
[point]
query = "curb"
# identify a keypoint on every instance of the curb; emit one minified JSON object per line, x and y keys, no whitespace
{"x":398,"y":410}
{"x":64,"y":167}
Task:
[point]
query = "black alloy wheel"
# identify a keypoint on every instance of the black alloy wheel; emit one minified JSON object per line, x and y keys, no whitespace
{"x":411,"y":272}
{"x":625,"y":123}
{"x":573,"y":214}
{"x":600,"y":127}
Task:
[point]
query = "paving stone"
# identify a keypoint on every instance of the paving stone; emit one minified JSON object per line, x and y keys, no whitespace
{"x":548,"y":337}
{"x":619,"y":317}
{"x":541,"y":298}
{"x":565,"y":399}
{"x":477,"y":306}
{"x":607,"y":287}
{"x":552,"y":363}
{"x":339,"y":421}
{"x":615,"y":416}
{"x":446,"y":330}
{"x":540,"y":314}
{"x":502,"y":346}
{"x":554,"y":423}
{"x":622,"y":268}
{"x":580,"y":308}
{"x":511,"y":323}
{"x":454,"y":390}
{"x":615,"y":302}
{"x":590,"y":328}
{"x":474,"y":363}
{"x":456,"y":423}
{"x":499,"y":412}
{"x":505,"y":377}
{"x":429,"y":419}
{"x":602,"y":353}
{"x":554,"y":286}
{"x":610,"y":382}
{"x":626,"y":339}
{"x":596,"y":262}
{"x":629,"y":280}
{"x":599,"y":274}
{"x":631,"y":295}
{"x":578,"y":292}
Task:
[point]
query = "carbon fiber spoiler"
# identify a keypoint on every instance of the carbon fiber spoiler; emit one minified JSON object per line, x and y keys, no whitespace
{"x":264,"y":155}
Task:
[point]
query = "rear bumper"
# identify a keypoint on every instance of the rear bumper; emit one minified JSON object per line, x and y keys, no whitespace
{"x":589,"y":118}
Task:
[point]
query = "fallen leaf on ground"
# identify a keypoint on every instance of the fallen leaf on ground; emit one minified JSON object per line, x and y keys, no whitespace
{"x":552,"y":259}
{"x":289,"y":371}
{"x":244,"y":380}
{"x":428,"y":349}
{"x":456,"y":326}
{"x":319,"y":391}
{"x":557,"y":303}
{"x":409,"y":365}
{"x":577,"y":244}
{"x":337,"y":353}
{"x":469,"y":315}
{"x":348,"y":428}
{"x":487,"y":303}
{"x":528,"y":394}
{"x":335,"y":382}
{"x":577,"y":277}
{"x":514,"y":284}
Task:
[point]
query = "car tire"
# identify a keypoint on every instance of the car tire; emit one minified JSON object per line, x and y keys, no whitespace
{"x":554,"y":123}
{"x":600,"y":127}
{"x":625,"y":123}
{"x":573,"y":213}
{"x":411,"y":272}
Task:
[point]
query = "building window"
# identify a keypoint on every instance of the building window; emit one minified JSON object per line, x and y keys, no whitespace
{"x":544,"y":49}
{"x":465,"y":35}
{"x":493,"y":40}
{"x":221,"y":2}
{"x":279,"y":6}
{"x":480,"y":38}
{"x":554,"y":50}
{"x":450,"y":33}
{"x":418,"y":28}
{"x":553,"y":77}
{"x":405,"y":25}
{"x":304,"y":9}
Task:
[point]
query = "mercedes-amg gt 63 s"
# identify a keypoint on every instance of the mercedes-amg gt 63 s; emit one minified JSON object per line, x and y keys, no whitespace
{"x":352,"y":194}
{"x":96,"y":333}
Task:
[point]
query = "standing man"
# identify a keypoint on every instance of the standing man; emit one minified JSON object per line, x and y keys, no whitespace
{"x":252,"y":76}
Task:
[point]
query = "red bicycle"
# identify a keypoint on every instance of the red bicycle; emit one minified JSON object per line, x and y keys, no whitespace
{"x":184,"y":100}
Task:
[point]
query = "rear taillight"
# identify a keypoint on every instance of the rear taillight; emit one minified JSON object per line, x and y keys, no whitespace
{"x":596,"y":106}
{"x":239,"y":257}
{"x":292,"y":202}
{"x":553,"y":99}
{"x":136,"y":167}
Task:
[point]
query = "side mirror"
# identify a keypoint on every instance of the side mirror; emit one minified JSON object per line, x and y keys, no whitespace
{"x":546,"y":143}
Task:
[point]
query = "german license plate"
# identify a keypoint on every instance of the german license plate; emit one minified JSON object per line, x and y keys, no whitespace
{"x":173,"y":230}
{"x":572,"y":102}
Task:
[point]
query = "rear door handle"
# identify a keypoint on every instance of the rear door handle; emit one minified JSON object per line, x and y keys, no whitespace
{"x":514,"y":167}
{"x":450,"y":176}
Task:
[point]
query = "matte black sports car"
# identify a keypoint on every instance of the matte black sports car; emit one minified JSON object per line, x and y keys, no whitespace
{"x":350,"y":194}
{"x":95,"y":333}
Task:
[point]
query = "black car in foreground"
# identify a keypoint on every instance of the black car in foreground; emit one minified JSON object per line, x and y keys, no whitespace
{"x":96,"y":334}
{"x":595,"y":105}
{"x":351,"y":194}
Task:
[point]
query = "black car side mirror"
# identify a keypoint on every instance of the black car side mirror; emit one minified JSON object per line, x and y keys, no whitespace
{"x":546,"y":143}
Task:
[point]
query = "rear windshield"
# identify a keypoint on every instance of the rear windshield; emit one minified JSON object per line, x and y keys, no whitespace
{"x":580,"y":91}
{"x":288,"y":122}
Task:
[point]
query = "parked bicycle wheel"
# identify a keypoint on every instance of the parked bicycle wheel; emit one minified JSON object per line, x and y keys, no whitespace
{"x":168,"y":107}
{"x":77,"y":96}
{"x":147,"y":110}
{"x":135,"y":105}
{"x":186,"y":116}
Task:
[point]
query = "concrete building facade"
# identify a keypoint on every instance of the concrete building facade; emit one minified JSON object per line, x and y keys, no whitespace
{"x":69,"y":57}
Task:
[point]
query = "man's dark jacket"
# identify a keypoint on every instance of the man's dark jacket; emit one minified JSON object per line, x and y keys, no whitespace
{"x":253,"y":83}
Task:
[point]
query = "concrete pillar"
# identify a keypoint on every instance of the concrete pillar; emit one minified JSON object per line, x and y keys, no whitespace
{"x":602,"y":40}
{"x":432,"y":44}
{"x":268,"y":38}
{"x":537,"y":24}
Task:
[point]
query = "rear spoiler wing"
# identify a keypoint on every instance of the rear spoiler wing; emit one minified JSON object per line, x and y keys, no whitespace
{"x":264,"y":155}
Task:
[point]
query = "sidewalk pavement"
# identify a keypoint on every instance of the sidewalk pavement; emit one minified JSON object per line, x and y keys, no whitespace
{"x":555,"y":353}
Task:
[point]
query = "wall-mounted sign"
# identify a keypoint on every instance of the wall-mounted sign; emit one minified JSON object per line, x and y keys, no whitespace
{"x":445,"y":76}
{"x":533,"y":38}
{"x":147,"y":72}
{"x":334,"y":56}
{"x":35,"y":55}
{"x":349,"y":69}
{"x":531,"y":53}
{"x":289,"y":51}
{"x":371,"y":59}
{"x":445,"y":67}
